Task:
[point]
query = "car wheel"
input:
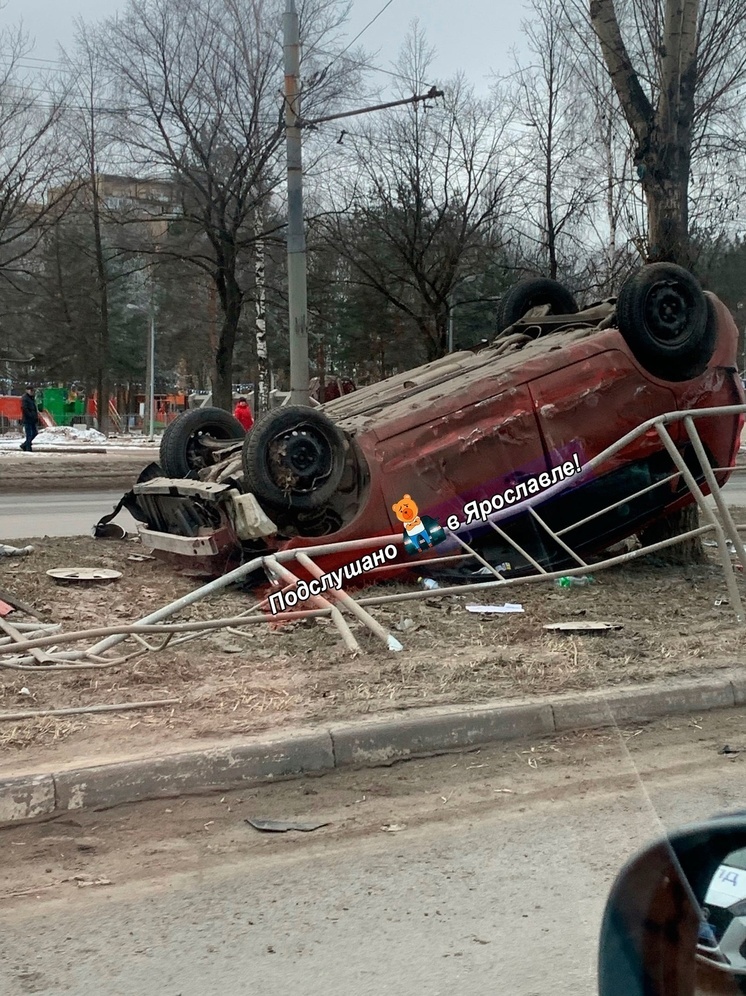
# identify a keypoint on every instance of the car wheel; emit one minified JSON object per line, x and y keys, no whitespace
{"x":190,"y":441}
{"x":294,"y":457}
{"x":531,"y":293}
{"x":667,"y":322}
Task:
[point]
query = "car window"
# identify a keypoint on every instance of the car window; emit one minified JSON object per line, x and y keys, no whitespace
{"x":737,"y":859}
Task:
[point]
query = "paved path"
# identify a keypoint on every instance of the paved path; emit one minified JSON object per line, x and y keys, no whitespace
{"x":481,"y":894}
{"x":70,"y":513}
{"x":62,"y":513}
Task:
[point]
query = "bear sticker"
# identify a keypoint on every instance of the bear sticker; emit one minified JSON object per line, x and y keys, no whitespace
{"x":420,"y":532}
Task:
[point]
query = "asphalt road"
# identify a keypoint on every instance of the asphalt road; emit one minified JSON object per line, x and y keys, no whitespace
{"x":67,"y":513}
{"x":62,"y":513}
{"x":735,"y":491}
{"x":476,"y":893}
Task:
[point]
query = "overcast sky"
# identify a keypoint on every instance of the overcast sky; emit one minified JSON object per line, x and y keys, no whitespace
{"x":475,"y":36}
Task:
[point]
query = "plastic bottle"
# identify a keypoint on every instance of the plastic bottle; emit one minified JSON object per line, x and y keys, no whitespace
{"x":428,"y":583}
{"x":569,"y":582}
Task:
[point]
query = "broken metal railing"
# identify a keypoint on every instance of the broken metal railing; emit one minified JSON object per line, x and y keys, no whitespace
{"x":277,"y":567}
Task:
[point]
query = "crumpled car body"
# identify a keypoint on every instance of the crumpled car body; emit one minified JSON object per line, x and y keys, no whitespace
{"x":551,"y":391}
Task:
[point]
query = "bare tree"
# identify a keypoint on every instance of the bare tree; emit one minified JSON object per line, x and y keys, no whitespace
{"x":557,"y":187}
{"x":690,"y":59}
{"x":418,"y":205}
{"x":676,"y":77}
{"x":617,"y":223}
{"x":201,"y":78}
{"x":89,"y":144}
{"x":33,"y":155}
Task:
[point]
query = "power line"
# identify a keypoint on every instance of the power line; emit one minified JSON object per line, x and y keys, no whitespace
{"x":18,"y":64}
{"x":361,"y":65}
{"x":360,"y":33}
{"x":35,"y":58}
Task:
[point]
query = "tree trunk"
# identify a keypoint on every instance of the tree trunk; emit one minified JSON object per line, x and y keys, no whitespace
{"x":231,"y":299}
{"x":262,"y":359}
{"x":689,"y":551}
{"x":102,"y":372}
{"x":435,"y":335}
{"x":666,"y":187}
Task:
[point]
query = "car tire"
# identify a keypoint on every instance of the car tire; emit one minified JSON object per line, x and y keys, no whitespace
{"x":667,"y":321}
{"x":294,"y":457}
{"x":531,"y":293}
{"x":182,"y":453}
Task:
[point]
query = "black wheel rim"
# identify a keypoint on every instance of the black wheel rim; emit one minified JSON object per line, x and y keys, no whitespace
{"x":300,"y":459}
{"x":198,"y":454}
{"x":668,"y":313}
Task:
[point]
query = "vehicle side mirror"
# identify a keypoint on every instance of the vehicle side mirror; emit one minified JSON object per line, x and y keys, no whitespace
{"x":663,"y":932}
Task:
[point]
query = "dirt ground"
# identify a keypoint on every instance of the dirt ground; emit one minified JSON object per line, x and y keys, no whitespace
{"x":230,"y":684}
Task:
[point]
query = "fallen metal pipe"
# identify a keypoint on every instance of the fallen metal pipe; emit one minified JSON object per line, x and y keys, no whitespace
{"x":534,"y":578}
{"x":730,"y":576}
{"x":238,"y":574}
{"x":349,"y":602}
{"x":727,"y":518}
{"x":124,"y":707}
{"x":17,"y":637}
{"x":337,"y":617}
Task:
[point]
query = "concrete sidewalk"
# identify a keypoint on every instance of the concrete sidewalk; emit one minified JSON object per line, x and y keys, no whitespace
{"x":220,"y":766}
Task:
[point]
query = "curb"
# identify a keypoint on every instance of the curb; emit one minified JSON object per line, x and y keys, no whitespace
{"x":364,"y":743}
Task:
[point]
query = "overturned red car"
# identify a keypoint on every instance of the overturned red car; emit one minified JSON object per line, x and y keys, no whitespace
{"x":554,"y":388}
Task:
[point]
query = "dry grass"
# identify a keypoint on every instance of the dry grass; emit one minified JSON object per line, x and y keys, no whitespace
{"x":276,"y":675}
{"x":44,"y":730}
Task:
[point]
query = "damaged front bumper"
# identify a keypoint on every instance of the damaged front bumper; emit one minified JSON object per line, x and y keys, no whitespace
{"x":199,"y":524}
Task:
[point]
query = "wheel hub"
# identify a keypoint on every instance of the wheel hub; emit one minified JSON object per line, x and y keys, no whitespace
{"x":669,"y":312}
{"x":299,"y":459}
{"x":303,"y":454}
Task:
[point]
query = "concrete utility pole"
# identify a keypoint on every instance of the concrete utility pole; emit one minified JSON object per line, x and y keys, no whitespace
{"x":296,"y":237}
{"x":297,"y":293}
{"x":150,"y":368}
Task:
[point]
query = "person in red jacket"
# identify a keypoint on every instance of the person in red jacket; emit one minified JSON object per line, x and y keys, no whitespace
{"x":243,"y":413}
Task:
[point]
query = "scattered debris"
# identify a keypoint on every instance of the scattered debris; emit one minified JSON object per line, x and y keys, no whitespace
{"x":139,"y":557}
{"x":84,"y":574}
{"x":87,"y":844}
{"x":393,"y":827}
{"x":85,"y":882}
{"x":109,"y":531}
{"x":6,"y":596}
{"x":583,"y":626}
{"x":17,"y":636}
{"x":572,"y":582}
{"x":730,"y":750}
{"x":15,"y":551}
{"x":490,"y":571}
{"x":282,"y":826}
{"x":507,"y":607}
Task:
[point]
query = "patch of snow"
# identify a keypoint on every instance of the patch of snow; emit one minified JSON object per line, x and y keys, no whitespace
{"x":77,"y":434}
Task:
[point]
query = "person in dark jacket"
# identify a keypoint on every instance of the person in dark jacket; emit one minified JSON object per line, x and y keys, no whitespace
{"x":243,"y":413}
{"x":29,"y":417}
